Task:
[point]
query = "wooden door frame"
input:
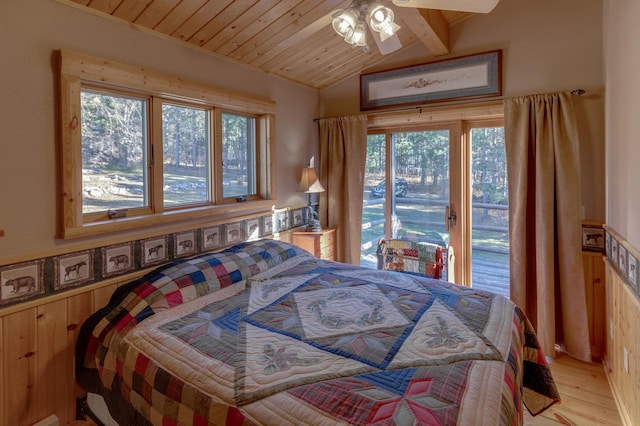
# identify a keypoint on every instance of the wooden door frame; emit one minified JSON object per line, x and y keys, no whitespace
{"x":460,"y":119}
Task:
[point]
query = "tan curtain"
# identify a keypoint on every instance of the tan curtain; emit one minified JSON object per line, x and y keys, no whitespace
{"x":343,"y":150}
{"x":543,"y":165}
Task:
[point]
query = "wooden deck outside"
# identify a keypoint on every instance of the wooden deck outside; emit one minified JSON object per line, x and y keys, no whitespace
{"x":490,"y":271}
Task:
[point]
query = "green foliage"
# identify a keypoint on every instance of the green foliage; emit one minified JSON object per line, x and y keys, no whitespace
{"x":185,"y":139}
{"x":422,"y":158}
{"x":116,"y":145}
{"x":113,"y":130}
{"x":489,"y":165}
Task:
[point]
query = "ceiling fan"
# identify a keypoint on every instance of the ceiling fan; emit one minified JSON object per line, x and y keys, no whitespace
{"x":474,"y":6}
{"x":352,"y":22}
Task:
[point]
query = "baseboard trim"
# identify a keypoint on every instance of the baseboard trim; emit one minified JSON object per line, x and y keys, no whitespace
{"x":624,"y":415}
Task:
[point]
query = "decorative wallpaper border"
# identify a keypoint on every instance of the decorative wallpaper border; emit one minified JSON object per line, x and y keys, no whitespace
{"x":41,"y":277}
{"x":623,"y":260}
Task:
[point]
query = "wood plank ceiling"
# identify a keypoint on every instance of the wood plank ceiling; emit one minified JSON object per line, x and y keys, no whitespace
{"x":292,"y":39}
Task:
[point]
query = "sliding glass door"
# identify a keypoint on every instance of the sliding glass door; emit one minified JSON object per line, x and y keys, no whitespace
{"x":490,"y":208}
{"x":444,"y":184}
{"x":421,"y":196}
{"x":407,"y":188}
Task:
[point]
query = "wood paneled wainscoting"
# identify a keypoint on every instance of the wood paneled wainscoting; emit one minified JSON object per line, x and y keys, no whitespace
{"x":37,"y":341}
{"x":622,"y":357}
{"x":37,"y":350}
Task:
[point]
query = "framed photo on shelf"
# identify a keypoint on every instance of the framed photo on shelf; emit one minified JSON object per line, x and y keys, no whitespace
{"x":593,"y":238}
{"x":472,"y":76}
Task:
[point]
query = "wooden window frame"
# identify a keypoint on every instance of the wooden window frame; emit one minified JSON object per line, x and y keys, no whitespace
{"x":77,"y":71}
{"x":459,"y":119}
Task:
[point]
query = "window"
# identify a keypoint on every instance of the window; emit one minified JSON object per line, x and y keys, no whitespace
{"x":114,"y":151}
{"x":238,"y":155}
{"x":141,"y":148}
{"x":185,"y":155}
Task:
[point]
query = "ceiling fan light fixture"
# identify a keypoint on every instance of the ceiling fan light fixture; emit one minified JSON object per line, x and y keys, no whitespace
{"x":344,"y":23}
{"x":380,"y":17}
{"x":359,"y":35}
{"x":389,"y":31}
{"x":351,"y":23}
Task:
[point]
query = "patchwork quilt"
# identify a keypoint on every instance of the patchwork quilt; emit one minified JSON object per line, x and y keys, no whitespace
{"x":409,"y":256}
{"x":267,"y":334}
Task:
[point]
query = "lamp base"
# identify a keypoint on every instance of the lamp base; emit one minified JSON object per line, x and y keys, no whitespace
{"x":314,"y":226}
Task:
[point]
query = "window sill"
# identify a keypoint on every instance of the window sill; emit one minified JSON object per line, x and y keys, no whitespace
{"x":213,"y":214}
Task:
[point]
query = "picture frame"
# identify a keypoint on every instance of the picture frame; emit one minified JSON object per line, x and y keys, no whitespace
{"x":632,"y":275}
{"x":210,"y":238}
{"x":593,"y":238}
{"x":280,"y":221}
{"x":465,"y":77}
{"x":154,"y":251}
{"x":622,"y":262}
{"x":252,"y":228}
{"x":267,"y":225}
{"x":117,"y":259}
{"x":614,"y":252}
{"x":233,"y":233}
{"x":73,"y":269}
{"x":184,"y":244}
{"x":297,"y":218}
{"x":21,"y":281}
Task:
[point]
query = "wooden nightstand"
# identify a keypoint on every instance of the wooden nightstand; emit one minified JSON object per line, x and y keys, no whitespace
{"x":322,"y":243}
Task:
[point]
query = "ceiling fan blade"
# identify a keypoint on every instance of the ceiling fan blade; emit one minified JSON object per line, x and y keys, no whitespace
{"x":307,"y":31}
{"x":391,"y":44}
{"x":475,"y":6}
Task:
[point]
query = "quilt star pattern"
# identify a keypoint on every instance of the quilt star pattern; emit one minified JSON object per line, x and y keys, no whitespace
{"x":264,"y":333}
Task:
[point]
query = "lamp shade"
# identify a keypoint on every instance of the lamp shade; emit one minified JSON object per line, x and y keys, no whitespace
{"x":309,"y":182}
{"x":345,"y":22}
{"x":359,"y":35}
{"x":380,"y":17}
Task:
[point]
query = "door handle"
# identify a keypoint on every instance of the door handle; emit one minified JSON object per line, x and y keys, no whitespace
{"x":450,"y":218}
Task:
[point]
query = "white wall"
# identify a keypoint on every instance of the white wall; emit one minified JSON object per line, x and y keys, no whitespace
{"x":547,"y":46}
{"x":30,"y":30}
{"x":622,"y":62}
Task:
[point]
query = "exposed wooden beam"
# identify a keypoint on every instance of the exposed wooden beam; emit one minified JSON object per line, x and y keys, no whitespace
{"x":430,"y":26}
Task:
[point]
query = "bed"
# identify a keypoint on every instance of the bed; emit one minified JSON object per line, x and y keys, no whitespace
{"x":263,"y":333}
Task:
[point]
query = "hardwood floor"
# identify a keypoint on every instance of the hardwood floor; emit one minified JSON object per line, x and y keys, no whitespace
{"x":586,"y":396}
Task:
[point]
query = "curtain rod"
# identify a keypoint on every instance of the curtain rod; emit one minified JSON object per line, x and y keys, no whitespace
{"x":576,"y":92}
